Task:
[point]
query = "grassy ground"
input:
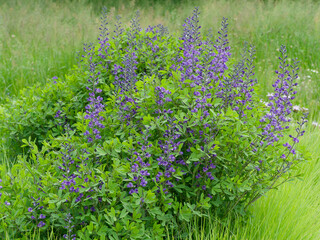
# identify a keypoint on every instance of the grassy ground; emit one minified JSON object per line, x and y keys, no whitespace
{"x":39,"y":40}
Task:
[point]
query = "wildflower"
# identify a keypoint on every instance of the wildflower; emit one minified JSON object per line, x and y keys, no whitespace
{"x":314,"y":71}
{"x":296,"y":108}
{"x":41,"y":224}
{"x":57,"y":114}
{"x":133,"y":191}
{"x":296,"y":140}
{"x":280,"y":102}
{"x":130,"y":185}
{"x":54,"y":78}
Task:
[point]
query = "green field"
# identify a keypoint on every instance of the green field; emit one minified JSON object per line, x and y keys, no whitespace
{"x":40,"y":40}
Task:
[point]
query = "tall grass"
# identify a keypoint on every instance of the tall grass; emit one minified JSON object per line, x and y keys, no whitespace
{"x":40,"y":40}
{"x":293,"y":211}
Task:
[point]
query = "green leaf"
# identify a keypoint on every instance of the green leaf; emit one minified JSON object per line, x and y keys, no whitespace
{"x":185,"y":213}
{"x":101,"y":152}
{"x":123,"y":213}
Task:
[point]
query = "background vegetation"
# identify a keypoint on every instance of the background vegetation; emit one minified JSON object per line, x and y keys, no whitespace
{"x":40,"y":40}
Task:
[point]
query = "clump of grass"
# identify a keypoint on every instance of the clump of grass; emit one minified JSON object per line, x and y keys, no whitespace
{"x":292,"y":211}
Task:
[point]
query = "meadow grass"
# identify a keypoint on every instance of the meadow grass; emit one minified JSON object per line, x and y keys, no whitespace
{"x":40,"y":39}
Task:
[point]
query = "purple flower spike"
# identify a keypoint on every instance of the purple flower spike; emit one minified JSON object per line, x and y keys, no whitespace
{"x":280,"y":102}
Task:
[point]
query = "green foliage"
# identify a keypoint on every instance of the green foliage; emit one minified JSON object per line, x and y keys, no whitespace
{"x":32,"y":114}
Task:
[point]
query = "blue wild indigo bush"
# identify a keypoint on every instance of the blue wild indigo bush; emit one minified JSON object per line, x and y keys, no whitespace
{"x":161,"y":129}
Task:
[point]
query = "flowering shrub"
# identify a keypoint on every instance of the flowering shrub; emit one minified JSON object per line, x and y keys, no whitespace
{"x":161,"y":129}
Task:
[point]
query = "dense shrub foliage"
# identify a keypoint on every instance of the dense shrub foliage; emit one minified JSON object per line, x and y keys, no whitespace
{"x":148,"y":132}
